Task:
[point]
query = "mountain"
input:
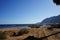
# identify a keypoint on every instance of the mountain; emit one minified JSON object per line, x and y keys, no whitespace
{"x":51,"y":20}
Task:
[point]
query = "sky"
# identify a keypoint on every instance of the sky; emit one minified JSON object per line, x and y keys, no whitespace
{"x":26,"y":11}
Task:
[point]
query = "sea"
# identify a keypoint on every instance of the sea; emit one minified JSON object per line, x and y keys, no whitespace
{"x":14,"y":25}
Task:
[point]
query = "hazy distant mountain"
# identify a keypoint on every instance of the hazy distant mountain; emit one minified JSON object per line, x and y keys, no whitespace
{"x":51,"y":20}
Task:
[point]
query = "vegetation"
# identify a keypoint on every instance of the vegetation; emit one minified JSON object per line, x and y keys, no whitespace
{"x":57,"y":2}
{"x":3,"y":35}
{"x":34,"y":26}
{"x":23,"y":31}
{"x":37,"y":33}
{"x":14,"y":34}
{"x":54,"y":26}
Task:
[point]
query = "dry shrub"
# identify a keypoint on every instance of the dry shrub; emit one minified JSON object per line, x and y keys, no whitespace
{"x":3,"y":35}
{"x":9,"y":33}
{"x":23,"y":31}
{"x":34,"y":26}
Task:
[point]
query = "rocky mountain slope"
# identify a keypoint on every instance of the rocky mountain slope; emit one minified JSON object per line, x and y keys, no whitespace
{"x":51,"y":20}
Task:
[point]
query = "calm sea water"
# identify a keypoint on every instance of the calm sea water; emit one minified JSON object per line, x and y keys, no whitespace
{"x":14,"y":25}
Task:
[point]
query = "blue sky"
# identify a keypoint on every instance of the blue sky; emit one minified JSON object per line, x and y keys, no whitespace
{"x":26,"y":11}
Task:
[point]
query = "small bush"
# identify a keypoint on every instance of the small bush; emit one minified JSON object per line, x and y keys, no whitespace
{"x":14,"y":34}
{"x":23,"y":31}
{"x":34,"y":26}
{"x":3,"y":35}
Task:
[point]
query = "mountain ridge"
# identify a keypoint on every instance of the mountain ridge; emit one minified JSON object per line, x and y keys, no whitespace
{"x":50,"y":20}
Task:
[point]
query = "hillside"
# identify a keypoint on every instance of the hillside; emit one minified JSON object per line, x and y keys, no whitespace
{"x":42,"y":33}
{"x":50,"y":20}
